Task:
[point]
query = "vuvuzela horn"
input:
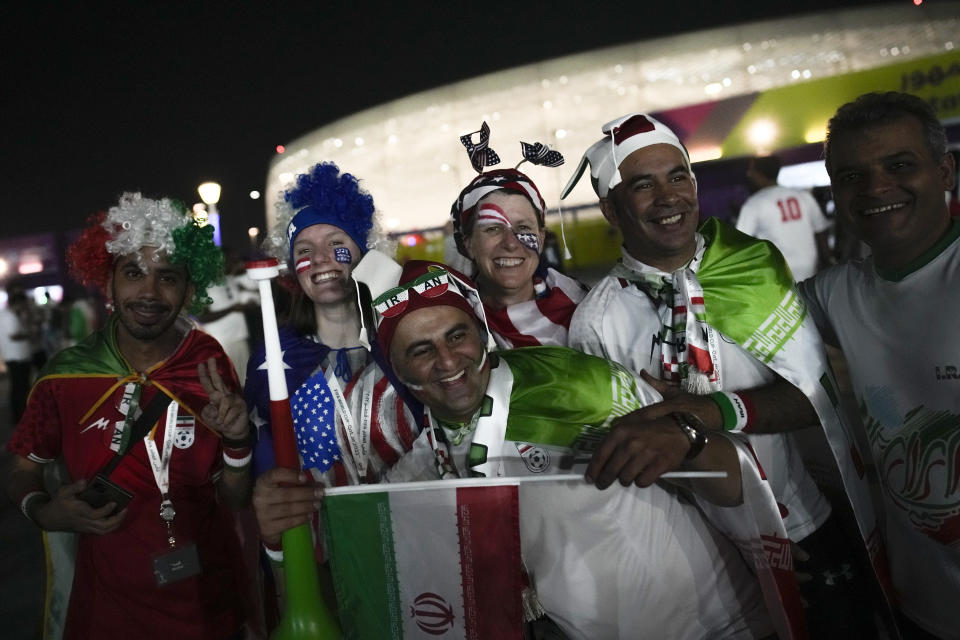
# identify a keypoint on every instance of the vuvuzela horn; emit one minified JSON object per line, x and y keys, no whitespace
{"x":305,"y":614}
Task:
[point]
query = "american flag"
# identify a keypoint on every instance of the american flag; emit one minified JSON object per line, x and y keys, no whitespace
{"x":480,"y":154}
{"x":314,"y":421}
{"x":541,"y":154}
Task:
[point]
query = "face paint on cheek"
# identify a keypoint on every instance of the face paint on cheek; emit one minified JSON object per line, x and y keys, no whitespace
{"x":530,"y":241}
{"x":483,"y":361}
{"x":342,"y":255}
{"x":303,"y":264}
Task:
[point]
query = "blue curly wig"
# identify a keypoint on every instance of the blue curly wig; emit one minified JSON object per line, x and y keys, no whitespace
{"x":323,"y":195}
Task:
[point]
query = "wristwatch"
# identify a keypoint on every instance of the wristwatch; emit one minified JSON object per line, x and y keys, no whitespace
{"x":697,"y":436}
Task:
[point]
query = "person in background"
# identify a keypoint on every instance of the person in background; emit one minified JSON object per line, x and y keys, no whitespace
{"x":15,"y":349}
{"x":224,"y":318}
{"x":896,"y":315}
{"x":80,"y":318}
{"x":499,"y":225}
{"x":789,"y":218}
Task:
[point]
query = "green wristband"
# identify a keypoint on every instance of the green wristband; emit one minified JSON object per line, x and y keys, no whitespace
{"x":726,"y":409}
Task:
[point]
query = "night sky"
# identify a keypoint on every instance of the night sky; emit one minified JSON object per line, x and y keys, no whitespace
{"x":100,"y":98}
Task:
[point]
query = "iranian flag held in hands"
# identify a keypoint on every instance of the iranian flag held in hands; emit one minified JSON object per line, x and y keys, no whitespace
{"x":416,"y":562}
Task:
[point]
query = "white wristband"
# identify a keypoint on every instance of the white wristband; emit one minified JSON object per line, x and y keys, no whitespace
{"x":237,"y":463}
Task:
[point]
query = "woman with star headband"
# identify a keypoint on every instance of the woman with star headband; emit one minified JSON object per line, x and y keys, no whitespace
{"x":499,"y":225}
{"x":351,"y":421}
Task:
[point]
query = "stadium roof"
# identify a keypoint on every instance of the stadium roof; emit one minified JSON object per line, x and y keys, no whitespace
{"x":407,"y":152}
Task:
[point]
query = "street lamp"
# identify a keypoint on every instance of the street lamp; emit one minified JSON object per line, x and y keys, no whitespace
{"x":210,"y":194}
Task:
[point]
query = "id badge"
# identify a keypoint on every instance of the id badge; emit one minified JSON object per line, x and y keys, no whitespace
{"x":176,"y":564}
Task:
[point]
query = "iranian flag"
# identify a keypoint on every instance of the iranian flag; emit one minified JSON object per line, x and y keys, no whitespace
{"x":426,"y":559}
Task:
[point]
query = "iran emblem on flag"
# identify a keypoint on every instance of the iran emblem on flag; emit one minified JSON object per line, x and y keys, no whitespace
{"x":424,"y":560}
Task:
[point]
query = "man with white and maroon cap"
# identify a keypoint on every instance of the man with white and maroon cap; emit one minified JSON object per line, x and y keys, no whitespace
{"x":629,"y":561}
{"x":713,"y":314}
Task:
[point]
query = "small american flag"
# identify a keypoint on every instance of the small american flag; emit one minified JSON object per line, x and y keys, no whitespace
{"x":481,"y":155}
{"x":541,"y":154}
{"x":314,"y":421}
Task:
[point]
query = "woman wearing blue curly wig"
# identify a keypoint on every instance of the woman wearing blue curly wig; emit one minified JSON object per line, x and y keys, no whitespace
{"x":349,"y":411}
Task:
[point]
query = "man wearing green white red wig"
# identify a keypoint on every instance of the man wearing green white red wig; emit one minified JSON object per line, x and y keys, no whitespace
{"x":146,"y":416}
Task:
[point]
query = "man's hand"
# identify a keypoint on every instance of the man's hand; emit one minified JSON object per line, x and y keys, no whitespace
{"x":283,"y":499}
{"x":678,"y":401}
{"x":777,"y":407}
{"x":67,"y":512}
{"x":226,"y":412}
{"x":638,"y":450}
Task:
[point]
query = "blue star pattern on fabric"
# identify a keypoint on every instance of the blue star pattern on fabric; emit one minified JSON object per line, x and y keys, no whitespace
{"x":300,"y":358}
{"x":314,"y":422}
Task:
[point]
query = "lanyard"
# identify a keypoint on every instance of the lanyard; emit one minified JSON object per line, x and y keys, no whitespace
{"x":440,"y":443}
{"x":442,"y":456}
{"x":359,"y":438}
{"x":130,"y":409}
{"x":160,"y":465}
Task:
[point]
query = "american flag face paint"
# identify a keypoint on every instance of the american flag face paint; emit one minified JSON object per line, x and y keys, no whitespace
{"x":303,"y":264}
{"x":530,"y":241}
{"x":489,"y":213}
{"x":342,"y":255}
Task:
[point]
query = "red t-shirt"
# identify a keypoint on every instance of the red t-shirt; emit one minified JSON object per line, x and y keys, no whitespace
{"x":115,"y":594}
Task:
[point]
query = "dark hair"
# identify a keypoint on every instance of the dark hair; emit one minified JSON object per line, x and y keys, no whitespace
{"x":301,"y":315}
{"x":876,"y":108}
{"x":767,"y":166}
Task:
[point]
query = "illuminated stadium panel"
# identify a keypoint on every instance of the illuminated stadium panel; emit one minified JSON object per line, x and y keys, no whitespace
{"x":407,"y":152}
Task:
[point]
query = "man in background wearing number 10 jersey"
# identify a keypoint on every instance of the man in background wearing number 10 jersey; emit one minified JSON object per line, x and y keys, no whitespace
{"x":789,"y":218}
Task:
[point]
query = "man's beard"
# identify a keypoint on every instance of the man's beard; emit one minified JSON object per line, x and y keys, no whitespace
{"x":150,"y":332}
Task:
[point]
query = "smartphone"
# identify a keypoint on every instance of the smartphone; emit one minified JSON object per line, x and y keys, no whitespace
{"x":102,"y":491}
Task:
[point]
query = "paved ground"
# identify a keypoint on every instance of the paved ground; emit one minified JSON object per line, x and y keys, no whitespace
{"x":21,"y":554}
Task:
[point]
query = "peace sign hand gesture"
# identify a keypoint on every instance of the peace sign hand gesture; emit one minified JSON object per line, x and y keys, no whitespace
{"x":226,"y":412}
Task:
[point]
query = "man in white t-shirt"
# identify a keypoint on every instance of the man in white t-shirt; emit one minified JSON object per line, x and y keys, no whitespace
{"x":715,"y":312}
{"x":15,"y":349}
{"x":789,"y":218}
{"x":896,"y":315}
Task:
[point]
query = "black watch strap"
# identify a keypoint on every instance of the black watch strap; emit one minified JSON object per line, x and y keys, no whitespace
{"x":697,"y":437}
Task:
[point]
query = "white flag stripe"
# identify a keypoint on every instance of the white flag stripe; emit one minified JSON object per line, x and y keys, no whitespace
{"x":415,"y":522}
{"x":492,"y":482}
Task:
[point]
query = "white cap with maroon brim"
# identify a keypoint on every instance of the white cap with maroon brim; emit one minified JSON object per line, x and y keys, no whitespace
{"x":622,"y":137}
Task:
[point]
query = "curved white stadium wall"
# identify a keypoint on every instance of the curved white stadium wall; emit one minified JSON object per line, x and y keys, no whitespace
{"x":408,"y":156}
